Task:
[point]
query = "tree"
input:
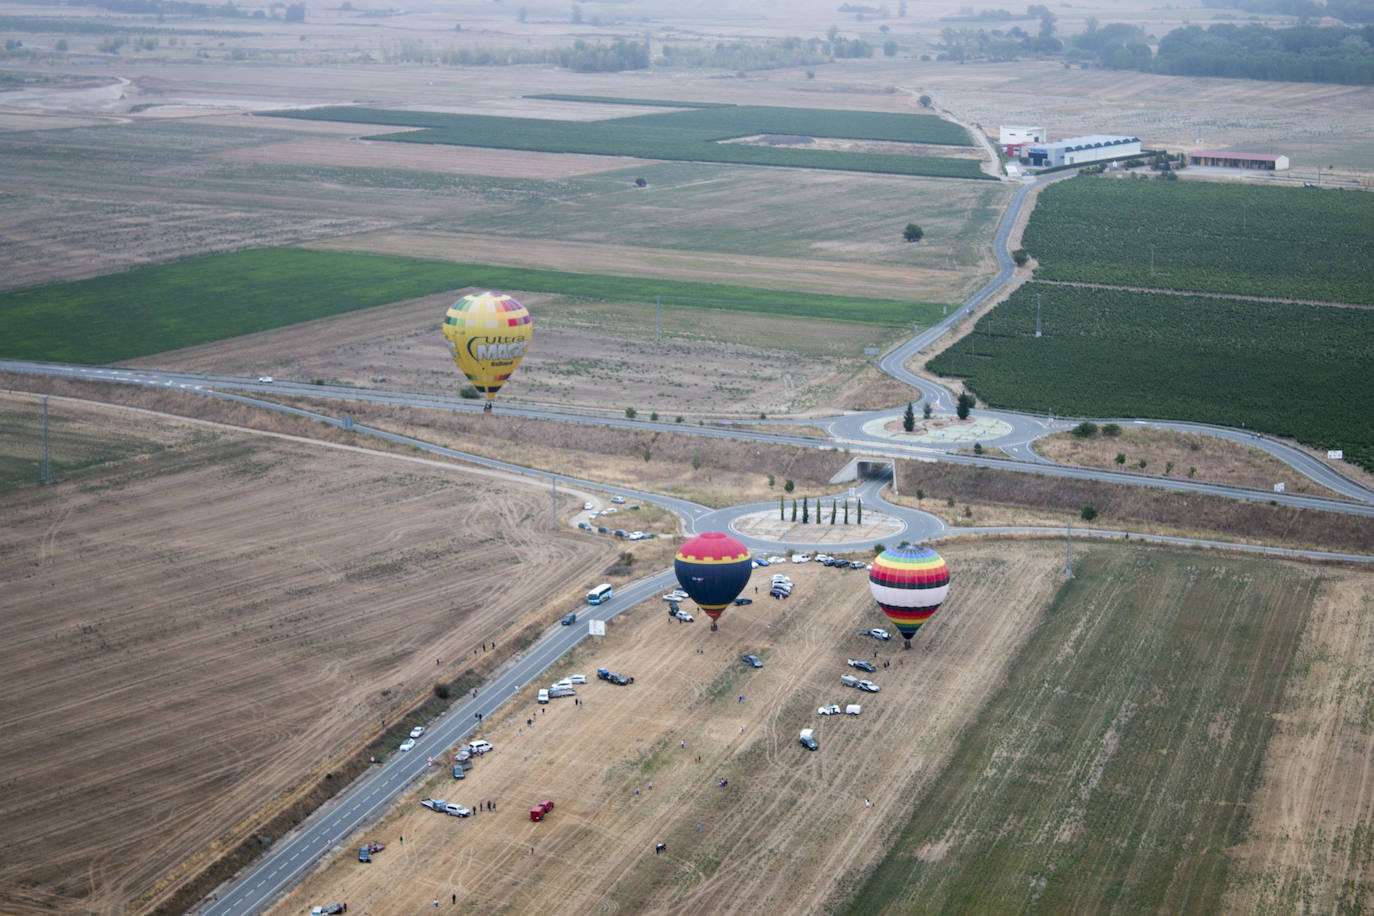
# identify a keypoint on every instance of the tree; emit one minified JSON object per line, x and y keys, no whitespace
{"x":782,"y":509}
{"x":787,"y":485}
{"x":1085,"y":430}
{"x":1020,"y":256}
{"x":964,"y":405}
{"x":1088,"y":513}
{"x":653,"y":415}
{"x":641,"y":182}
{"x":794,"y":510}
{"x":696,"y":461}
{"x":925,"y":101}
{"x":846,"y":512}
{"x":859,"y":511}
{"x":631,"y":413}
{"x":926,"y":410}
{"x":913,"y":233}
{"x":1120,"y":457}
{"x":1111,"y":430}
{"x":832,"y":512}
{"x":806,"y":510}
{"x":909,"y":418}
{"x":977,"y":448}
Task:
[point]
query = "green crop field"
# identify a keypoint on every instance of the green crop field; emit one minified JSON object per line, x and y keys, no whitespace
{"x":1112,"y":771}
{"x":687,"y":135}
{"x":1298,"y":243}
{"x":1283,"y":368}
{"x":215,"y":297}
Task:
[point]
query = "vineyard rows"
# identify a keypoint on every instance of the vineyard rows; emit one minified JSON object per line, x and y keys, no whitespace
{"x":1298,"y":243}
{"x":1282,"y":368}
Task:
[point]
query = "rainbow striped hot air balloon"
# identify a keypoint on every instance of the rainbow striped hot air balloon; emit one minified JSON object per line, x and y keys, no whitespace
{"x":909,"y":584}
{"x":713,"y":569}
{"x":488,"y":334}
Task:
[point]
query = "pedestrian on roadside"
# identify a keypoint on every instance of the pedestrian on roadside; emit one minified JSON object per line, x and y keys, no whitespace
{"x":455,"y":898}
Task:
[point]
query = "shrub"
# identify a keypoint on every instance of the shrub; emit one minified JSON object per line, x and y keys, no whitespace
{"x":1111,"y":430}
{"x":1085,"y":430}
{"x":441,"y":690}
{"x":1020,"y":256}
{"x":631,"y":413}
{"x":1088,"y":513}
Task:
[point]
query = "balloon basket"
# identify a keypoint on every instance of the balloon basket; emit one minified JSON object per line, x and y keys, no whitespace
{"x":906,"y":644}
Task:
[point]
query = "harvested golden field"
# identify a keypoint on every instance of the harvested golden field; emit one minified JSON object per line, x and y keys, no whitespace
{"x":784,"y":809}
{"x":209,"y":620}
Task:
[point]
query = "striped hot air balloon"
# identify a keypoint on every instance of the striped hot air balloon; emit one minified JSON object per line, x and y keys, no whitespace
{"x":712,"y":568}
{"x":909,"y":583}
{"x":488,"y":334}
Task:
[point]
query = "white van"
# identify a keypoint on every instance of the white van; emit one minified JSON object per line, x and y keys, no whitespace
{"x":479,"y":747}
{"x":853,"y":709}
{"x":543,"y":695}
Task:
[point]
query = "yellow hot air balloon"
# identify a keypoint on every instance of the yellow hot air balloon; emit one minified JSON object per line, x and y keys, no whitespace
{"x":488,"y":334}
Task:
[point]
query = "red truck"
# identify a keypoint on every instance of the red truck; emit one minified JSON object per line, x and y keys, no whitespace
{"x":538,"y":811}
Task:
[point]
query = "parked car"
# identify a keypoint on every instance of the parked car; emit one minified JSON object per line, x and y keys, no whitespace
{"x":637,"y":535}
{"x":407,"y":744}
{"x":538,"y":812}
{"x":267,"y":379}
{"x":868,"y":687}
{"x":753,"y":661}
{"x":857,"y":564}
{"x":459,"y":771}
{"x":602,"y":529}
{"x":831,"y":710}
{"x":614,"y":499}
{"x":801,"y":558}
{"x":587,"y":507}
{"x":577,"y":679}
{"x":542,"y":696}
{"x":808,"y":739}
{"x":569,"y":619}
{"x":676,"y":594}
{"x":849,"y":680}
{"x":456,"y":810}
{"x":584,"y":526}
{"x":683,"y":616}
{"x":756,"y":562}
{"x":876,"y":633}
{"x":364,"y":854}
{"x":861,"y":664}
{"x":774,"y":560}
{"x":464,"y":754}
{"x":779,"y":592}
{"x":743,"y":601}
{"x":417,"y":731}
{"x":329,"y":909}
{"x":609,"y":510}
{"x":853,"y":709}
{"x":479,"y":747}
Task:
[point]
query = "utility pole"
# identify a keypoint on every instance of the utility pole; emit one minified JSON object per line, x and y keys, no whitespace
{"x":1037,"y":314}
{"x":1068,"y":553}
{"x":45,"y":468}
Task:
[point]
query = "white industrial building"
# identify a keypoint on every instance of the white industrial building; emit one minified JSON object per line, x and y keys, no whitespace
{"x":1080,"y":150}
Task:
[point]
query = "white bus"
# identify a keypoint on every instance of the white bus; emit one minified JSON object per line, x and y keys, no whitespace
{"x":602,"y":592}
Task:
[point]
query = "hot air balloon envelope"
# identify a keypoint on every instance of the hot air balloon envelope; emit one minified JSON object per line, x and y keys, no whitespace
{"x":488,"y":334}
{"x":909,"y":584}
{"x":712,"y":569}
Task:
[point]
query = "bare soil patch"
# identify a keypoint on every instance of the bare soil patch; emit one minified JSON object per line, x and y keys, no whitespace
{"x":351,"y":151}
{"x":1178,"y":454}
{"x":594,"y":355}
{"x":597,"y":761}
{"x":215,"y":626}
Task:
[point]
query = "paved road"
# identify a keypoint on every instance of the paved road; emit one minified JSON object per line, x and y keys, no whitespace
{"x":294,"y":855}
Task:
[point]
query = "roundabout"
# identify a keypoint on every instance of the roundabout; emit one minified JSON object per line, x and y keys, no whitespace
{"x":941,"y":430}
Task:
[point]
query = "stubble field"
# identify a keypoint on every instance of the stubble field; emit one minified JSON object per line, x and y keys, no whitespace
{"x":209,"y":620}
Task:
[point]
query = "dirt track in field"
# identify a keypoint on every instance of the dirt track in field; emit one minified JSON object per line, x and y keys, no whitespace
{"x":596,"y":851}
{"x":192,"y":632}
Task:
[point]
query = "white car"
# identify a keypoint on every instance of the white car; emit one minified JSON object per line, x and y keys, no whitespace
{"x":565,"y":684}
{"x":801,"y":558}
{"x":456,"y":810}
{"x":479,"y":747}
{"x":869,"y":687}
{"x":876,"y":633}
{"x":407,"y":744}
{"x":577,"y":679}
{"x":611,"y":510}
{"x":676,"y":594}
{"x":776,"y":560}
{"x":636,"y":535}
{"x":822,"y":557}
{"x":417,"y":731}
{"x":267,"y":379}
{"x":617,"y":499}
{"x":831,"y":710}
{"x":683,"y":616}
{"x":588,"y":507}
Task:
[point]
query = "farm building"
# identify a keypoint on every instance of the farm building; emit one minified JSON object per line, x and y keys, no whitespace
{"x":1232,"y":160}
{"x":1015,"y":139}
{"x":1078,"y":150}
